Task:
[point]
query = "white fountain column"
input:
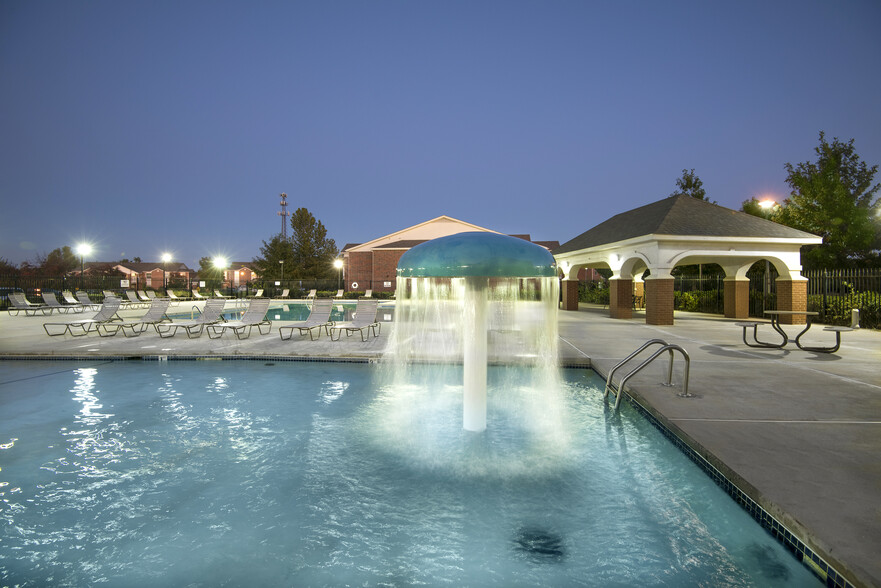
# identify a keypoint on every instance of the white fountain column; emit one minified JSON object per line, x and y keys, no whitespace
{"x":474,"y":360}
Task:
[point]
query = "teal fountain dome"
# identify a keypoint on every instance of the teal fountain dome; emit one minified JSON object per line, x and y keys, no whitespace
{"x":477,"y":254}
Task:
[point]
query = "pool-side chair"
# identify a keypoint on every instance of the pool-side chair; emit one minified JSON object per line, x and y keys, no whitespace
{"x":84,"y":299}
{"x":311,"y":294}
{"x":133,"y":300}
{"x":212,"y":313}
{"x":319,"y":317}
{"x":255,"y":316}
{"x":156,"y":314}
{"x":81,"y":327}
{"x":285,"y":293}
{"x":364,"y":321}
{"x":52,"y":302}
{"x":20,"y":303}
{"x":197,"y":296}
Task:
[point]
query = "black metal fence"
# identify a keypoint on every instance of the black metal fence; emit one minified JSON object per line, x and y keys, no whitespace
{"x":95,"y":286}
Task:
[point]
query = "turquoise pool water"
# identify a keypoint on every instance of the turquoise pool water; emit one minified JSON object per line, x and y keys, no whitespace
{"x":212,"y":473}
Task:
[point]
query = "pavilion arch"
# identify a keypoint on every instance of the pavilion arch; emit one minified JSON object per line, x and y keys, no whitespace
{"x":682,"y":230}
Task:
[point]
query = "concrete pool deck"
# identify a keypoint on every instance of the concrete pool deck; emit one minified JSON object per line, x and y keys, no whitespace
{"x":798,"y":432}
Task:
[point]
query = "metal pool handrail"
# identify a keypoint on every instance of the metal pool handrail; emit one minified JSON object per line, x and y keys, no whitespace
{"x":665,"y":347}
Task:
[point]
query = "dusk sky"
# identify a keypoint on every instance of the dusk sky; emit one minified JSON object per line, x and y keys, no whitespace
{"x":146,"y":127}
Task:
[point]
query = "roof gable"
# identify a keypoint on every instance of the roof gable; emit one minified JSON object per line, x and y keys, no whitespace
{"x":441,"y":226}
{"x":682,"y":216}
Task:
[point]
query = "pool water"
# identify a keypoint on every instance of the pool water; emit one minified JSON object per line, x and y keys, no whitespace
{"x":212,"y":473}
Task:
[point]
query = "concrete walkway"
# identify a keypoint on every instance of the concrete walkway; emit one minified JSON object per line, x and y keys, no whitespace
{"x":798,"y":432}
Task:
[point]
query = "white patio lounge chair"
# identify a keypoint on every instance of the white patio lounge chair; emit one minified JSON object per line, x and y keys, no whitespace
{"x":319,"y":317}
{"x":364,"y":321}
{"x":52,"y":302}
{"x":197,"y":296}
{"x":368,"y":294}
{"x":311,"y":294}
{"x":84,"y":299}
{"x":142,"y":296}
{"x":339,"y":294}
{"x":174,"y":297}
{"x":134,"y":301}
{"x":68,"y":298}
{"x":20,"y":303}
{"x":255,"y":316}
{"x":82,"y":327}
{"x":211,"y":314}
{"x":155,"y":314}
{"x":219,"y":294}
{"x":285,"y":293}
{"x":258,"y":294}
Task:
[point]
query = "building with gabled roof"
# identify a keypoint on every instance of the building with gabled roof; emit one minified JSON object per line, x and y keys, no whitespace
{"x":373,"y":265}
{"x":154,"y":274}
{"x":683,"y":230}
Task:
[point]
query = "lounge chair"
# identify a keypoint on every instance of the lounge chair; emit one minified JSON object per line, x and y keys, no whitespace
{"x":151,"y":295}
{"x":107,"y":313}
{"x":52,"y":302}
{"x":339,"y":294}
{"x":364,"y":321}
{"x":319,"y":317}
{"x":68,"y":298}
{"x":311,"y":294}
{"x":20,"y":303}
{"x":285,"y":293}
{"x":197,"y":296}
{"x":368,"y":294}
{"x":142,"y":296}
{"x":219,"y":294}
{"x":175,"y":298}
{"x":133,"y":301}
{"x":212,"y":313}
{"x":258,"y":294}
{"x":84,"y":299}
{"x":255,"y":316}
{"x":156,"y":314}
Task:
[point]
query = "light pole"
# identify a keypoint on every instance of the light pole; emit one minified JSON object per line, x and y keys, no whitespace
{"x":166,"y":257}
{"x":338,"y":263}
{"x":83,"y":249}
{"x":220,"y":263}
{"x":281,"y":262}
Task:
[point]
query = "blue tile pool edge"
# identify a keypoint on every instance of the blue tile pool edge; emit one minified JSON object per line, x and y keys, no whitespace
{"x":816,"y":564}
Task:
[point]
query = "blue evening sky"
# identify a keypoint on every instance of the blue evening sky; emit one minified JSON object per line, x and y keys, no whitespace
{"x":158,"y":126}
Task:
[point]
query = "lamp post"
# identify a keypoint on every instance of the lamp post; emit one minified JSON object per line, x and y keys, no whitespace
{"x":338,"y":263}
{"x":220,"y":263}
{"x":166,"y":257}
{"x":281,"y":262}
{"x":83,"y":249}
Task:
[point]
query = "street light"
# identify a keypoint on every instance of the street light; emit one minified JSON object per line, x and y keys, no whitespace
{"x":338,"y":263}
{"x":83,"y":249}
{"x":166,"y":257}
{"x":281,"y":262}
{"x":220,"y":263}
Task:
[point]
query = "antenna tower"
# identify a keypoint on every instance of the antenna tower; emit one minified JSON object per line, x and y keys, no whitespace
{"x":284,"y":216}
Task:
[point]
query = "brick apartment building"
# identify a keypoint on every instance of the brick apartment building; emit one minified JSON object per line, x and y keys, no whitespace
{"x":373,"y":265}
{"x":153,"y":274}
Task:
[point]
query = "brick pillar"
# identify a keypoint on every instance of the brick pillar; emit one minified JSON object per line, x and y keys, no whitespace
{"x":570,"y":294}
{"x":659,"y":301}
{"x":620,"y":298}
{"x":736,"y":298}
{"x":792,"y":295}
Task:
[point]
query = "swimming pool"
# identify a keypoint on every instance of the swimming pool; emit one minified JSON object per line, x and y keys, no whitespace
{"x":280,"y":473}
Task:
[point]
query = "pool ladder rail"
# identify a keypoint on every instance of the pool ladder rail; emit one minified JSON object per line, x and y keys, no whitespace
{"x":669,"y":348}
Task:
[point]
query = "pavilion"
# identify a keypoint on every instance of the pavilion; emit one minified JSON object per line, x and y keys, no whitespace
{"x":683,"y":230}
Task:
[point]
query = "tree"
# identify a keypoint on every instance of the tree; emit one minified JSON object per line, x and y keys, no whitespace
{"x":835,"y":198}
{"x":207,"y":269}
{"x":313,"y":251}
{"x":6,"y":268}
{"x":59,"y":262}
{"x":690,"y":185}
{"x":277,"y":250}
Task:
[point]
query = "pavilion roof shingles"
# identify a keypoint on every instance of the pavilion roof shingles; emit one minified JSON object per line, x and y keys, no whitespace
{"x":680,"y":215}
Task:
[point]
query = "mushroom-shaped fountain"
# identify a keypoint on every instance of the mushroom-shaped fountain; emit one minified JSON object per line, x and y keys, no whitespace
{"x":474,"y":298}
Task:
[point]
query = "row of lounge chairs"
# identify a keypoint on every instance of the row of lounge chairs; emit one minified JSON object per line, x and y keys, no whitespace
{"x":107,"y":321}
{"x":20,"y":304}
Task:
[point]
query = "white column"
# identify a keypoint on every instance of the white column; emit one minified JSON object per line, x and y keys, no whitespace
{"x":474,"y":360}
